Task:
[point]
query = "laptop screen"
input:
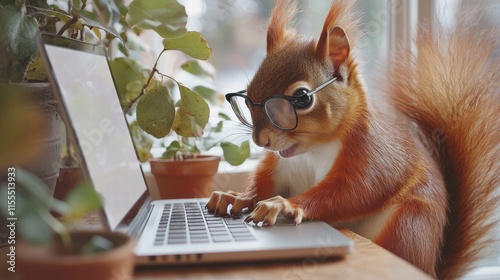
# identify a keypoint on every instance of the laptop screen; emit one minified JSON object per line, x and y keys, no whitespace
{"x":91,"y":104}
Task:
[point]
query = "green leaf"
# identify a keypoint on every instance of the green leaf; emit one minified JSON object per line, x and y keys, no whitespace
{"x":169,"y":154}
{"x":218,"y":127}
{"x":143,"y":142}
{"x":36,"y":70}
{"x":82,"y":199}
{"x":143,"y":154}
{"x":192,"y":115}
{"x":125,"y":71}
{"x":123,"y":49}
{"x":207,"y":93}
{"x":121,"y":7}
{"x":53,"y":13}
{"x":97,"y":244}
{"x":172,"y":150}
{"x":185,"y":125}
{"x":224,"y":116}
{"x":236,"y":155}
{"x":31,"y":225}
{"x":193,"y":104}
{"x":155,"y":111}
{"x":191,"y":44}
{"x":17,"y":32}
{"x":35,"y":187}
{"x":90,"y":19}
{"x":107,"y":11}
{"x":196,"y":68}
{"x":167,"y":17}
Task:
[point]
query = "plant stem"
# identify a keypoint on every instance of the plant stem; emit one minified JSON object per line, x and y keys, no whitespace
{"x":73,"y":20}
{"x":70,"y":22}
{"x":141,"y":93}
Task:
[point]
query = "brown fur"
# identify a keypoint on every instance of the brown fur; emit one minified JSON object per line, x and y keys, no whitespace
{"x":453,"y":94}
{"x":436,"y":171}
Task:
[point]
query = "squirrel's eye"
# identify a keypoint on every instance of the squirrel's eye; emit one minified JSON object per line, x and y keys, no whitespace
{"x":304,"y":101}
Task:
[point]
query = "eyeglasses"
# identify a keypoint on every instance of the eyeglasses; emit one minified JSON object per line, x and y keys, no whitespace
{"x":280,"y":110}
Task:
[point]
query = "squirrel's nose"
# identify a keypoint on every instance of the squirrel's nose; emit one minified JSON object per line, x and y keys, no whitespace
{"x":268,"y":143}
{"x":262,"y":139}
{"x":263,"y":142}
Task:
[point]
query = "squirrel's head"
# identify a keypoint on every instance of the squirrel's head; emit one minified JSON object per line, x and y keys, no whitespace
{"x":294,"y":66}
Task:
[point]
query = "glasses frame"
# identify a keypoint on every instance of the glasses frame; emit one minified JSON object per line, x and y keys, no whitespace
{"x":292,"y":99}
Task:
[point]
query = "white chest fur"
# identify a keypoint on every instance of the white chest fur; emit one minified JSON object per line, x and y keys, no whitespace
{"x":295,"y":175}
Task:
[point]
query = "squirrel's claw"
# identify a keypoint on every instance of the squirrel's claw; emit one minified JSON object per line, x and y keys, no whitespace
{"x":267,"y":211}
{"x":219,"y":201}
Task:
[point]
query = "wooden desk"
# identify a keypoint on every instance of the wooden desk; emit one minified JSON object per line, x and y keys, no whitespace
{"x":368,"y":261}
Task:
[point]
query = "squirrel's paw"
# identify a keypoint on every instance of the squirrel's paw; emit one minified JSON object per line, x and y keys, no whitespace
{"x":266,"y":211}
{"x":219,"y":201}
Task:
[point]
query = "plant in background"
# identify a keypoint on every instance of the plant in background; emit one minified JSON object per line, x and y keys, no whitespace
{"x":145,"y":93}
{"x":20,"y":20}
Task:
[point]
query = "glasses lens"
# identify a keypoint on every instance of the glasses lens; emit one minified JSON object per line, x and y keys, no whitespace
{"x":240,"y":108}
{"x":281,"y":113}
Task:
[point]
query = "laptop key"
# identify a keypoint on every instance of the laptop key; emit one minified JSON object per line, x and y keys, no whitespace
{"x":197,"y":228}
{"x":200,"y":240}
{"x":218,"y":238}
{"x":178,"y":240}
{"x":218,"y":229}
{"x":218,"y":225}
{"x":219,"y":233}
{"x":238,"y":230}
{"x":246,"y":238}
{"x":198,"y":233}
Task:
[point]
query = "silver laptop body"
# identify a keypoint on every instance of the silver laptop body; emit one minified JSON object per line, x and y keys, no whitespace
{"x":88,"y":103}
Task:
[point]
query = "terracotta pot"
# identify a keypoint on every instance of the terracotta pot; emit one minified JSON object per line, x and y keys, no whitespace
{"x":185,"y":179}
{"x":69,"y":177}
{"x":45,"y":262}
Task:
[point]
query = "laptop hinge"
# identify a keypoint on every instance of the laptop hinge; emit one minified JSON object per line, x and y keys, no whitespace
{"x":137,"y":217}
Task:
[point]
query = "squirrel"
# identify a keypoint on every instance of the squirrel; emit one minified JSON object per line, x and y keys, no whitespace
{"x":420,"y":180}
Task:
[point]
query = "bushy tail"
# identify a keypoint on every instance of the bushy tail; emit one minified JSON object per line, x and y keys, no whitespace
{"x":450,"y":86}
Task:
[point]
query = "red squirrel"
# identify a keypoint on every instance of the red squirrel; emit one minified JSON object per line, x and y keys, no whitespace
{"x":419,"y":180}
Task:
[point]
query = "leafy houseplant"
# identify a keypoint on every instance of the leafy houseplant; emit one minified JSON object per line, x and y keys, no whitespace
{"x":147,"y":92}
{"x":46,"y":246}
{"x":144,"y":93}
{"x":150,"y":96}
{"x":38,"y":243}
{"x":21,"y":71}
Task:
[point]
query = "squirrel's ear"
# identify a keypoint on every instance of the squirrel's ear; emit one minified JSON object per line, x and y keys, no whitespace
{"x":277,"y":32}
{"x":333,"y":45}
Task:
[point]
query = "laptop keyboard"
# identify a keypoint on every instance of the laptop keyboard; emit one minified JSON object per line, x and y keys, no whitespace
{"x":190,"y":223}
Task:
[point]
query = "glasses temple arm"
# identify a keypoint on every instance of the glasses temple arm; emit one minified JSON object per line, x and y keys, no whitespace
{"x":238,"y":92}
{"x":321,"y":86}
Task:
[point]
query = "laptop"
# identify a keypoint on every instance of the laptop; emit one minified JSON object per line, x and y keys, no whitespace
{"x":88,"y":103}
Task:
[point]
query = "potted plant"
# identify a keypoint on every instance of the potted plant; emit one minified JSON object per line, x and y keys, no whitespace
{"x":43,"y":245}
{"x":181,"y":171}
{"x":37,"y":242}
{"x":21,"y":71}
{"x":161,"y":106}
{"x":144,"y":93}
{"x":70,"y":173}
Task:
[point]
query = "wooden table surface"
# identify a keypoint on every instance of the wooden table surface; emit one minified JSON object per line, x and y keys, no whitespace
{"x":368,"y":261}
